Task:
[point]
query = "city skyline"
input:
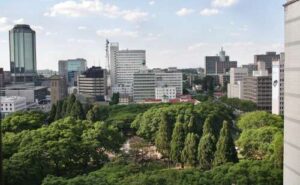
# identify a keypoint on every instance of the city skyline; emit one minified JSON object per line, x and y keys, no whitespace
{"x":173,"y":34}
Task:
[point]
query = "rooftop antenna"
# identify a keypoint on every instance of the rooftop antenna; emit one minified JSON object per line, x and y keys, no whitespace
{"x":107,"y":55}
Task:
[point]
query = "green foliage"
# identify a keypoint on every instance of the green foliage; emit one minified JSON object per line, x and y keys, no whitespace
{"x":20,"y":121}
{"x":114,"y":99}
{"x":59,"y":107}
{"x":52,"y":114}
{"x":207,"y":146}
{"x":225,"y":151}
{"x":70,"y":101}
{"x":164,"y":135}
{"x":67,"y":147}
{"x":189,"y":153}
{"x":238,"y":104}
{"x":259,"y":119}
{"x":177,"y":142}
{"x":277,"y":150}
{"x":77,"y":110}
{"x":256,"y":143}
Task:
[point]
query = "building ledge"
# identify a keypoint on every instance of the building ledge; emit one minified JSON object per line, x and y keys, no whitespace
{"x":290,"y":2}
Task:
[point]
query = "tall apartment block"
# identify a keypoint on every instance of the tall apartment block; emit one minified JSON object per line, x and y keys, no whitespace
{"x":71,"y":69}
{"x":278,"y":86}
{"x":93,"y":84}
{"x":220,"y":64}
{"x":143,"y":85}
{"x":58,"y":88}
{"x":22,"y":49}
{"x":123,"y":64}
{"x":267,"y":58}
{"x":258,"y":88}
{"x":292,"y":93}
{"x":235,"y":87}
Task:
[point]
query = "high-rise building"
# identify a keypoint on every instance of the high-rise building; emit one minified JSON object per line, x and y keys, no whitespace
{"x":235,"y":87}
{"x":22,"y":47}
{"x":220,"y":64}
{"x":143,"y":85}
{"x":292,"y":93}
{"x":278,"y":86}
{"x":1,"y":78}
{"x":258,"y":88}
{"x":169,"y":79}
{"x":58,"y":88}
{"x":123,"y":64}
{"x":71,"y":69}
{"x":251,"y":68}
{"x":93,"y":83}
{"x":267,"y":58}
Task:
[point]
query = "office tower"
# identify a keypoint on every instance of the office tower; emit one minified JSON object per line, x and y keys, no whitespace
{"x":258,"y":88}
{"x":143,"y":86}
{"x":123,"y":64}
{"x":93,"y":84}
{"x":22,"y":48}
{"x":251,"y":68}
{"x":235,"y":87}
{"x":220,"y":64}
{"x":267,"y":58}
{"x":292,"y":93}
{"x":278,"y":86}
{"x":11,"y":104}
{"x":169,"y":79}
{"x":71,"y":68}
{"x":224,"y":79}
{"x":58,"y":88}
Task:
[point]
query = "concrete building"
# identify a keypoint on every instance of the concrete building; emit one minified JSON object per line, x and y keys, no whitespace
{"x":22,"y":49}
{"x":11,"y":104}
{"x":165,"y":93}
{"x":292,"y":93}
{"x":224,"y":79}
{"x":278,"y":86}
{"x":251,"y":68}
{"x":267,"y":58}
{"x":258,"y":88}
{"x":235,"y":87}
{"x":220,"y":64}
{"x":1,"y":78}
{"x":71,"y":69}
{"x":58,"y":88}
{"x":123,"y":64}
{"x":33,"y":94}
{"x":143,"y":85}
{"x":93,"y":83}
{"x":169,"y":79}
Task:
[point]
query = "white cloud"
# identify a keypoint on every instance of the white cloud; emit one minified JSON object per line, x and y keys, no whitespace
{"x":184,"y":12}
{"x":197,"y":46}
{"x":117,"y":32}
{"x":37,"y":28}
{"x":224,"y":3}
{"x":4,"y":24}
{"x":48,"y":33}
{"x":72,"y":8}
{"x":81,"y":41}
{"x":82,"y":28}
{"x":209,"y":12}
{"x":18,"y":21}
{"x":151,"y":2}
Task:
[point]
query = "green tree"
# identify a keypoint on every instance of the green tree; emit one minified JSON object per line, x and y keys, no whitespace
{"x":115,"y":99}
{"x":77,"y":110}
{"x":71,"y":100}
{"x":225,"y":151}
{"x":177,"y":142}
{"x":207,"y":146}
{"x":277,"y":150}
{"x":52,"y":113}
{"x":189,"y":153}
{"x":164,"y":135}
{"x":64,"y":108}
{"x":58,"y":114}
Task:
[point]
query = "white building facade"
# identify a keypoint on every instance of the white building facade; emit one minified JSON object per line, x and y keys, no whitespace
{"x":164,"y":93}
{"x":170,"y":79}
{"x":143,"y":86}
{"x":235,"y":87}
{"x":292,"y":93}
{"x":11,"y":104}
{"x":278,"y":86}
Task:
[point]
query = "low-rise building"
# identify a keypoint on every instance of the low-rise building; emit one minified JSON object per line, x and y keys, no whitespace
{"x":165,"y":93}
{"x":11,"y":104}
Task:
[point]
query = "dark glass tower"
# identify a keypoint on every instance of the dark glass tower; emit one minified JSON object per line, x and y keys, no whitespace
{"x":22,"y":47}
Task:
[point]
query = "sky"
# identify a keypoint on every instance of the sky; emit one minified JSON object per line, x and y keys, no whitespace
{"x":176,"y":33}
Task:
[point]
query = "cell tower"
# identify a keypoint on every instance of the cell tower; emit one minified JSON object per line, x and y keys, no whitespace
{"x":107,"y":55}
